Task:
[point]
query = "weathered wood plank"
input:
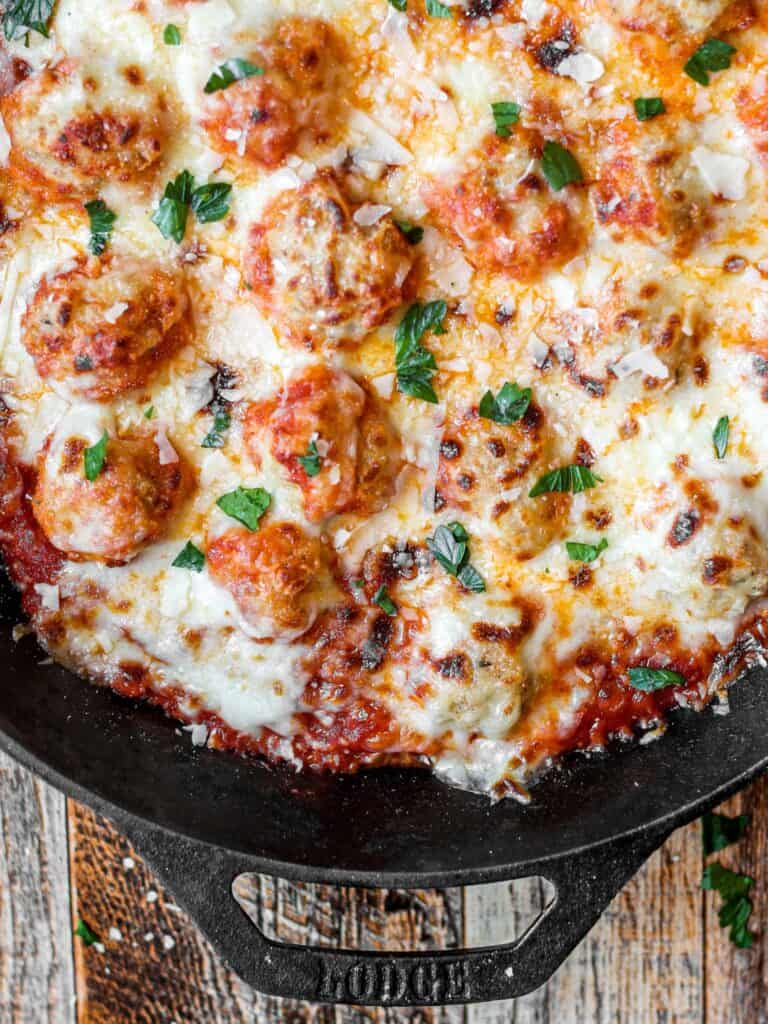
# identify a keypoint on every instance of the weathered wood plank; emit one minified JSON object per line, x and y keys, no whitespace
{"x":644,"y":961}
{"x":737,"y":980}
{"x":36,"y":981}
{"x":160,"y":968}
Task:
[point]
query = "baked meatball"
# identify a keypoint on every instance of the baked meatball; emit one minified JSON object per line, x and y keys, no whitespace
{"x":257,"y":120}
{"x":317,"y":274}
{"x":505,"y":216}
{"x":112,"y":517}
{"x":68,"y":137}
{"x":324,"y":411}
{"x":275,"y":575}
{"x":645,"y":189}
{"x":487,"y":465}
{"x":104,"y":327}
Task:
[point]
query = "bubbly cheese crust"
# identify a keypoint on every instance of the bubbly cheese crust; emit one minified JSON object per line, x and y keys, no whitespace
{"x":254,"y":356}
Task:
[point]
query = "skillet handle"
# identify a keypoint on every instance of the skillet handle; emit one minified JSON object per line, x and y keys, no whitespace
{"x":201,"y":877}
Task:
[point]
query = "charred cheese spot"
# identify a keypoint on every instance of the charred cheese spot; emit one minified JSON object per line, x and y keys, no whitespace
{"x":258,"y":120}
{"x":104,"y":327}
{"x":69,"y":138}
{"x":359,"y":454}
{"x":317,"y":274}
{"x":112,"y":518}
{"x":276,"y":576}
{"x":504,"y":215}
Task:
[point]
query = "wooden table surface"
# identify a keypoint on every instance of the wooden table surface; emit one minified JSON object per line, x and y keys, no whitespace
{"x":658,"y":956}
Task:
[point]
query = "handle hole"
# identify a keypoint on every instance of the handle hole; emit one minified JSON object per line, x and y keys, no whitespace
{"x":351,"y":918}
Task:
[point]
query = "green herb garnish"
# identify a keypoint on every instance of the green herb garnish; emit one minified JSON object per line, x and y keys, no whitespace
{"x":719,"y":831}
{"x":190,"y":557}
{"x":415,"y":364}
{"x":559,"y":166}
{"x":510,"y":405}
{"x":712,"y":55}
{"x":229,"y":72}
{"x":412,"y":232}
{"x":172,"y":35}
{"x":438,"y":10}
{"x":102,"y":220}
{"x":505,"y":114}
{"x":82,"y":931}
{"x":720,"y":436}
{"x":579,"y":552}
{"x":567,"y":479}
{"x":246,"y":504}
{"x":95,"y":457}
{"x":21,"y":16}
{"x":399,"y":5}
{"x":221,"y":421}
{"x":450,"y":547}
{"x":736,"y":907}
{"x":311,"y":462}
{"x":211,"y":202}
{"x":650,"y":679}
{"x":149,"y":412}
{"x":384,"y":601}
{"x":647,"y":107}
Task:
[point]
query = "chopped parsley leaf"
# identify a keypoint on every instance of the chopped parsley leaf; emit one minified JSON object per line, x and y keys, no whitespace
{"x":149,"y":412}
{"x":82,"y":931}
{"x":736,"y":907}
{"x":649,"y":679}
{"x":415,"y":365}
{"x":450,"y":547}
{"x":229,"y":72}
{"x":102,"y":220}
{"x":438,"y":10}
{"x":384,"y":601}
{"x":22,"y":16}
{"x":560,"y":167}
{"x":579,"y":552}
{"x":720,"y":436}
{"x":170,"y":217}
{"x":647,"y":107}
{"x":399,"y":5}
{"x":190,"y":557}
{"x":95,"y":457}
{"x":312,"y":462}
{"x":719,"y":831}
{"x":712,"y":55}
{"x":246,"y":504}
{"x":221,"y":421}
{"x":172,"y":35}
{"x":510,"y":405}
{"x":505,"y":114}
{"x":413,"y":233}
{"x":211,"y":202}
{"x":565,"y":480}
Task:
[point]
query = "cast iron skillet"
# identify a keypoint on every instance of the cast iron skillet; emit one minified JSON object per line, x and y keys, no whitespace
{"x":202,"y":818}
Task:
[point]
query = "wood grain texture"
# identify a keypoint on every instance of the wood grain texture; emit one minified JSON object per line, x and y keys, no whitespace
{"x":36,"y":984}
{"x":658,"y":955}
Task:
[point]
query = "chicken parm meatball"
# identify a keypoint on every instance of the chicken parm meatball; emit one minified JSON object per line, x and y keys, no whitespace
{"x":505,"y":216}
{"x":104,"y":327}
{"x":320,"y":276}
{"x":486,"y":464}
{"x":331,"y":440}
{"x":259,"y":118}
{"x":128,"y":504}
{"x":277,"y":576}
{"x":646,"y":189}
{"x":68,"y":137}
